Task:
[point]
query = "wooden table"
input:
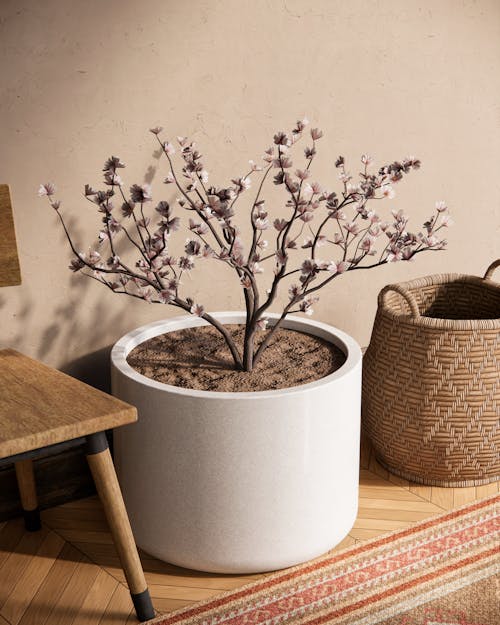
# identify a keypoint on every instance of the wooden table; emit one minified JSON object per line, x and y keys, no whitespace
{"x":43,"y":410}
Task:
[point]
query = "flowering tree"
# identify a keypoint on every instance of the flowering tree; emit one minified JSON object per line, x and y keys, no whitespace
{"x":316,"y":218}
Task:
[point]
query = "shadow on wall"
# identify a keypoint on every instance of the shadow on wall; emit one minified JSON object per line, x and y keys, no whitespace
{"x":75,"y":319}
{"x":72,"y":322}
{"x":93,"y":368}
{"x":63,"y":330}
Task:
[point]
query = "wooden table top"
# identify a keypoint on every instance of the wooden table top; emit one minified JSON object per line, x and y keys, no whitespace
{"x":40,"y":406}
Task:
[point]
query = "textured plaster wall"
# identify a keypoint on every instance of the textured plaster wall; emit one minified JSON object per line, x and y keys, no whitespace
{"x":81,"y":80}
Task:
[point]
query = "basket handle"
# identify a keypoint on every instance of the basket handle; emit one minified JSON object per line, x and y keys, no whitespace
{"x":410,"y":299}
{"x":491,"y":269}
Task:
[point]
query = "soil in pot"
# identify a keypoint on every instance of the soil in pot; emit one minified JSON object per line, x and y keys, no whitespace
{"x":198,"y":358}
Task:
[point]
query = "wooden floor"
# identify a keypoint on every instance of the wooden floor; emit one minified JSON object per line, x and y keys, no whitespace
{"x":69,"y":574}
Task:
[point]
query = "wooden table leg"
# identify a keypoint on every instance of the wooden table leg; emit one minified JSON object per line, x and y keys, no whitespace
{"x":108,"y":488}
{"x":27,"y":490}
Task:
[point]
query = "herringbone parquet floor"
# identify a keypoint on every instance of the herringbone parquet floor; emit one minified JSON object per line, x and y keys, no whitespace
{"x":69,"y":574}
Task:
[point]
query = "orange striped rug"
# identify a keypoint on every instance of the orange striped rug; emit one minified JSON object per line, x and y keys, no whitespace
{"x":443,"y":571}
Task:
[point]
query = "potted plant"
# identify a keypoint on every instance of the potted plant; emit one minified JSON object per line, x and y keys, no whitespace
{"x":241,"y":462}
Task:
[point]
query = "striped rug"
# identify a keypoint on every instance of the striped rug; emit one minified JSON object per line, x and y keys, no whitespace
{"x":443,"y":571}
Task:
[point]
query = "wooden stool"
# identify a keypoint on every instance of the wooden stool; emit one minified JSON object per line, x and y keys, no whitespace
{"x":43,"y":410}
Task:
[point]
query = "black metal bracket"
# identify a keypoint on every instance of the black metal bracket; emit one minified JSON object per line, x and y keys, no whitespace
{"x":32,"y":521}
{"x":96,"y":443}
{"x":43,"y":451}
{"x":143,"y":605}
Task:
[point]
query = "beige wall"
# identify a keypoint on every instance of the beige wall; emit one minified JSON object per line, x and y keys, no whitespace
{"x":81,"y":80}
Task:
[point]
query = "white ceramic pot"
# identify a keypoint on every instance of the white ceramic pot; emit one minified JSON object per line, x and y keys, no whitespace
{"x":239,"y":482}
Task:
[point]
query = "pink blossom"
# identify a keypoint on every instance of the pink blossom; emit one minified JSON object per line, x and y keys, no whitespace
{"x":300,"y":125}
{"x":156,"y":263}
{"x":352,"y":227}
{"x":284,"y":162}
{"x":192,"y":247}
{"x":169,"y":148}
{"x":281,"y":138}
{"x":353,"y":189}
{"x":173,"y":224}
{"x":146,"y":294}
{"x":400,"y":217}
{"x":254,"y":166}
{"x":113,"y":225}
{"x":366,"y":159}
{"x":169,"y":178}
{"x":165,"y":296}
{"x":316,"y":134}
{"x":207,"y":252}
{"x":302,"y":174}
{"x":387,"y":191}
{"x":93,"y":257}
{"x":112,"y":164}
{"x":281,"y":257}
{"x":268,"y":155}
{"x":441,"y":206}
{"x":163,"y":208}
{"x":46,"y":189}
{"x":294,"y":291}
{"x":342,"y":267}
{"x":198,"y":228}
{"x":186,"y":264}
{"x":430,"y":241}
{"x":262,"y":323}
{"x":306,"y":305}
{"x":366,"y":244}
{"x":156,"y":130}
{"x":280,"y":224}
{"x":256,"y":268}
{"x":246,"y":281}
{"x":198,"y":310}
{"x":141,"y":193}
{"x":308,"y":267}
{"x":76,"y":264}
{"x":306,"y":217}
{"x":261,"y":223}
{"x":394,"y":254}
{"x":242,"y":184}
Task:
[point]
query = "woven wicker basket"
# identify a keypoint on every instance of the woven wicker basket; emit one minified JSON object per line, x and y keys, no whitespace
{"x":431,"y":387}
